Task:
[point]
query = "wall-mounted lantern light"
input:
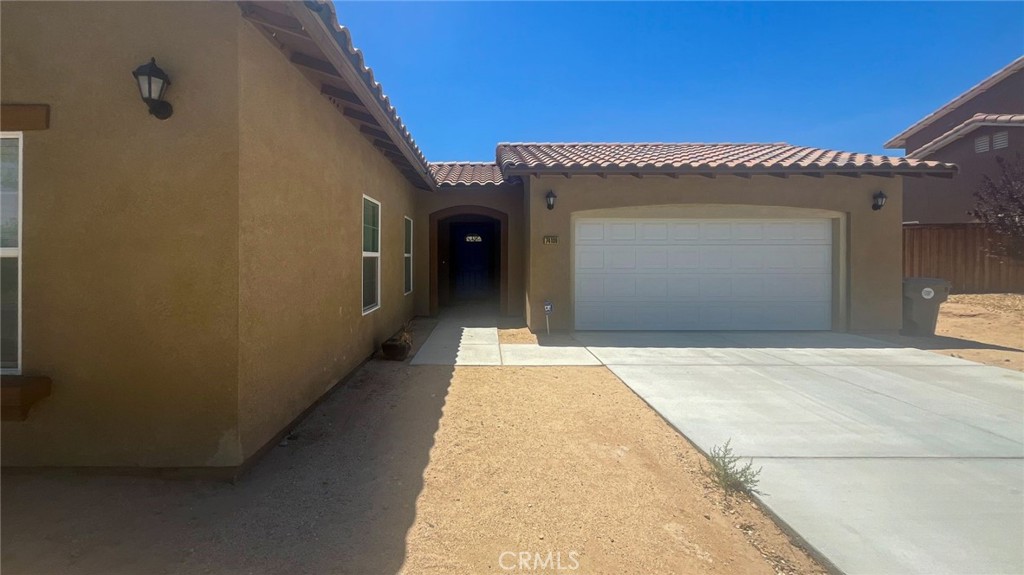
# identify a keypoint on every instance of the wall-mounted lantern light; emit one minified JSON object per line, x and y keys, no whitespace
{"x":550,"y":199}
{"x":152,"y":83}
{"x":878,"y":200}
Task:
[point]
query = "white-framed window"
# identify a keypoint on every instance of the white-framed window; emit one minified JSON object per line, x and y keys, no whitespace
{"x":408,"y":255}
{"x":981,"y":144}
{"x":1000,"y":140}
{"x":371,"y":254}
{"x":10,"y":251}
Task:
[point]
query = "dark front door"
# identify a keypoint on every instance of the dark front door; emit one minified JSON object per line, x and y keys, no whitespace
{"x":473,"y":261}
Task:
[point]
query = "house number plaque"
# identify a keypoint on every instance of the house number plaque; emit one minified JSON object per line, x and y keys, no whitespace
{"x":550,"y":240}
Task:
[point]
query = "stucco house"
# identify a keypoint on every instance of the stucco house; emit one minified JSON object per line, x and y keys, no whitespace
{"x":178,"y":291}
{"x":942,"y":236}
{"x":971,"y":131}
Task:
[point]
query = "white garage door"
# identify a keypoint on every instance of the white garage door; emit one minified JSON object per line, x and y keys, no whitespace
{"x":703,"y":274}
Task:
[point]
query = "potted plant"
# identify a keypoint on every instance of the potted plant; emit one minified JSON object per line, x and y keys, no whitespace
{"x":397,"y":347}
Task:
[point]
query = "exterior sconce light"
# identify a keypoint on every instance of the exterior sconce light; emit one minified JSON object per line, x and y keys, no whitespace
{"x":152,"y":83}
{"x":550,"y":199}
{"x":878,"y":200}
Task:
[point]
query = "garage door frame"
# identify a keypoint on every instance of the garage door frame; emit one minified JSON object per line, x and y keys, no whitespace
{"x":840,"y":239}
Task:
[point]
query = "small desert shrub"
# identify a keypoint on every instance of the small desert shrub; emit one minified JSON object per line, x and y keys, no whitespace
{"x":404,"y":335}
{"x":728,"y":473}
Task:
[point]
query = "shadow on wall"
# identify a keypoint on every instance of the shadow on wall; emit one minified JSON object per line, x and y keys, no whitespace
{"x":338,"y":498}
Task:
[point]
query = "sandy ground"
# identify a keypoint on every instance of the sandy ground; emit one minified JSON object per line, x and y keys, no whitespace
{"x":418,"y":470}
{"x":567,"y":460}
{"x":986,"y":328}
{"x":516,"y":335}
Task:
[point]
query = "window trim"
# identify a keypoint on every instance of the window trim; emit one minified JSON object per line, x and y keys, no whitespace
{"x":408,"y":256}
{"x":17,"y":252}
{"x":380,"y":218}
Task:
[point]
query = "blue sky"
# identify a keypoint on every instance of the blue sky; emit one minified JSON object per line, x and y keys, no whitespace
{"x":465,"y":76}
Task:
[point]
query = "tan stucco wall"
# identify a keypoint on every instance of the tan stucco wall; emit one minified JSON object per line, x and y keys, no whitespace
{"x":868,"y":289}
{"x":130,"y":290}
{"x":508,"y":201}
{"x":190,"y":285}
{"x":304,"y":169}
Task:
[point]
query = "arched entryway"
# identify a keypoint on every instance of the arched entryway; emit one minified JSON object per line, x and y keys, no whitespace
{"x":468,"y":257}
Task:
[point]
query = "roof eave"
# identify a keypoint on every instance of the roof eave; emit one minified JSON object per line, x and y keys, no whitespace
{"x":319,"y":22}
{"x":900,"y":140}
{"x":954,"y":135}
{"x":942,"y":171}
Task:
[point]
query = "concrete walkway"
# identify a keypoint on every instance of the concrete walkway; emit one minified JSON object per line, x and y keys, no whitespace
{"x":469,"y":340}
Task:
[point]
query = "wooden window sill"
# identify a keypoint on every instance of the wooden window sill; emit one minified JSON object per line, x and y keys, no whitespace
{"x":18,"y":393}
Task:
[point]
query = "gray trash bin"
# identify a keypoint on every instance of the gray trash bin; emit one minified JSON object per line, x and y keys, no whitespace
{"x":921,"y":299}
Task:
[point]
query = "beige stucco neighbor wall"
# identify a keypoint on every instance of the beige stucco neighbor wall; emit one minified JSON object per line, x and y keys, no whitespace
{"x":304,"y":169}
{"x":867,"y":244}
{"x":508,"y":201}
{"x":130,"y":245}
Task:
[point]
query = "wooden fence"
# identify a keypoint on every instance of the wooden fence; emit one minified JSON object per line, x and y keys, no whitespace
{"x":960,"y":253}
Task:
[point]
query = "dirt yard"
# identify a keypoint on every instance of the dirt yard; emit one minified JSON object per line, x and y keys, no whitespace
{"x":419,"y":470}
{"x":993,"y":320}
{"x":567,"y":460}
{"x":516,"y":335}
{"x":987,"y":328}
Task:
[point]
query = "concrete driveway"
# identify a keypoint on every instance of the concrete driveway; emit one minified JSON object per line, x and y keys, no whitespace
{"x":884,"y":460}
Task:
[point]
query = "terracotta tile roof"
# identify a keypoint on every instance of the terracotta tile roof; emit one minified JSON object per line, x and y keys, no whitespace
{"x":998,"y":118}
{"x":325,"y":10}
{"x":466,"y":174}
{"x":900,"y":140}
{"x":974,"y":122}
{"x":696,"y":157}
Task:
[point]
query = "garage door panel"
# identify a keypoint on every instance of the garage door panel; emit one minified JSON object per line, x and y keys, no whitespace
{"x":622,"y":232}
{"x":589,"y":288}
{"x":703,"y":274}
{"x":683,"y":288}
{"x":715,"y":288}
{"x":797,"y":287}
{"x":589,"y":258}
{"x":650,"y":288}
{"x":668,"y":317}
{"x":620,"y":288}
{"x":684,"y":257}
{"x":685,"y":232}
{"x":586,"y":231}
{"x":653,"y":258}
{"x":747,"y":231}
{"x":620,"y":258}
{"x":716,"y":231}
{"x":749,"y":287}
{"x":715,"y":257}
{"x":779,"y":261}
{"x":654,"y":232}
{"x":819,"y":231}
{"x":814,"y":258}
{"x":750,"y":258}
{"x":605,"y":316}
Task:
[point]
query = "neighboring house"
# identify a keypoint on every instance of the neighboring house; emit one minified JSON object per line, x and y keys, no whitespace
{"x":942,"y":238}
{"x":971,"y":131}
{"x":190,"y":287}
